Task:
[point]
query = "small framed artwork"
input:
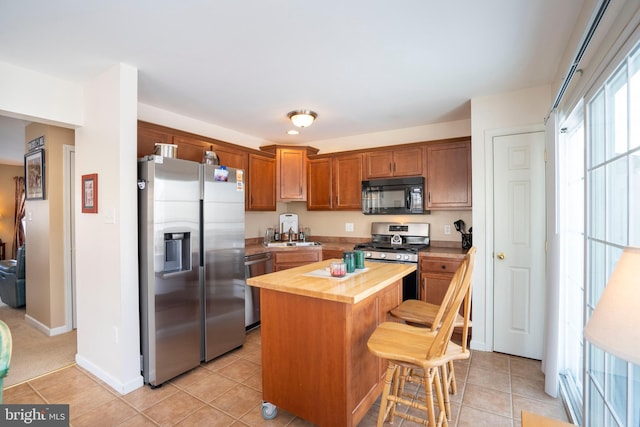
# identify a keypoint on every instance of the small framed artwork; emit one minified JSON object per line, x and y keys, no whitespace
{"x":90,"y":193}
{"x":34,"y":175}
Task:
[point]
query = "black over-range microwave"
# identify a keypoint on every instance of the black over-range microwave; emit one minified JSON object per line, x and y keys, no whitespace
{"x":393,"y":196}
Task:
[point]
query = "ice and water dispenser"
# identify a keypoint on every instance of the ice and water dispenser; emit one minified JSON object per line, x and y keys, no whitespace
{"x":177,"y":252}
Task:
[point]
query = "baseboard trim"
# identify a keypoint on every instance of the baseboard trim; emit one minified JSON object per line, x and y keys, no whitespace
{"x":50,"y":332}
{"x":119,"y":386}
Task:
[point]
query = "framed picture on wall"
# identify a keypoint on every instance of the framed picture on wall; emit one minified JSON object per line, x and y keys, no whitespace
{"x":34,"y":175}
{"x":90,"y":193}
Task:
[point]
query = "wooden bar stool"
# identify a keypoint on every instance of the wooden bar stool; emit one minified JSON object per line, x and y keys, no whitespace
{"x":417,"y":312}
{"x":410,"y":349}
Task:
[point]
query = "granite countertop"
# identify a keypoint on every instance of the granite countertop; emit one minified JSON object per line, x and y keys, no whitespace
{"x":442,"y":249}
{"x":255,"y":246}
{"x":313,"y":280}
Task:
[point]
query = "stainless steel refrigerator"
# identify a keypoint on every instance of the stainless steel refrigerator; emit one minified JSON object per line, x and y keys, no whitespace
{"x":223,"y":260}
{"x":191,"y":231}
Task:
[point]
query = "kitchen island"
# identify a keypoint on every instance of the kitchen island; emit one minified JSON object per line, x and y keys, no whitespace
{"x":314,"y":329}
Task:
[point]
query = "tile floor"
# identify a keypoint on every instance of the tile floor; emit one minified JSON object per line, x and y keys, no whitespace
{"x":493,"y":390}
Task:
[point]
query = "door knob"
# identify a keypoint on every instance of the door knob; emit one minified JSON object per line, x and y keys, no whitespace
{"x":500,"y":255}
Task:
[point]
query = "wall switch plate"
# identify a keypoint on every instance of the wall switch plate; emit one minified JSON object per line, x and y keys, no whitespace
{"x":348,"y":226}
{"x":110,"y":216}
{"x":447,"y":229}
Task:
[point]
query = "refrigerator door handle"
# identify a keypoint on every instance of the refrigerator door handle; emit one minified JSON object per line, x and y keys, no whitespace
{"x":256,"y":261}
{"x":174,"y":274}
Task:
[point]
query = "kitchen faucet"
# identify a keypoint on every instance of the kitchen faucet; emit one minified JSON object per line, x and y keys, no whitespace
{"x":290,"y":234}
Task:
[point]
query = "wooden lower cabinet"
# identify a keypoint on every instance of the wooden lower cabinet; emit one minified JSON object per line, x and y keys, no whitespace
{"x":283,"y":260}
{"x":331,"y":253}
{"x":315,"y":360}
{"x":435,"y":275}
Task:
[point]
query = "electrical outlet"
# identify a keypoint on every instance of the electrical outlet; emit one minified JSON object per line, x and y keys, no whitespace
{"x":447,"y":229}
{"x":348,"y":226}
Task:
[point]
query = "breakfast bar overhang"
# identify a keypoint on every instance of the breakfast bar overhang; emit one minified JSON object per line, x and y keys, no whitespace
{"x":314,"y":329}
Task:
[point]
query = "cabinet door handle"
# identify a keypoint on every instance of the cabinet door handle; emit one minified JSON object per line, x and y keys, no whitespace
{"x":444,"y":267}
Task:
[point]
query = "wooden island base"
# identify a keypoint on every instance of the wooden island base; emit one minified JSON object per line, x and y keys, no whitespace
{"x":315,"y":361}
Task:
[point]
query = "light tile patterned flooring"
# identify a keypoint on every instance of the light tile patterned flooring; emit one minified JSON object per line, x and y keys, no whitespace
{"x":493,"y":389}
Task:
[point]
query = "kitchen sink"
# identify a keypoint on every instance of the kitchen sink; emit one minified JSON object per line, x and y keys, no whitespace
{"x":292,"y":244}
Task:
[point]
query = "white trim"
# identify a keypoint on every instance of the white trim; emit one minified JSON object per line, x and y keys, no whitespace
{"x":617,"y":44}
{"x":50,"y":332}
{"x":121,"y":387}
{"x":67,"y":179}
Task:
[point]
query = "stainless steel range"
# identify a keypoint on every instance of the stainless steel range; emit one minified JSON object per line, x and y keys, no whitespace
{"x":398,"y":242}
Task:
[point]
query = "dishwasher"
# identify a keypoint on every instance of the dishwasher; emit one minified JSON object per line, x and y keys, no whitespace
{"x":255,"y":265}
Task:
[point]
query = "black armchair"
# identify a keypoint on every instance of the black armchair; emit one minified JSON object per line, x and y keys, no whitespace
{"x":12,"y":280}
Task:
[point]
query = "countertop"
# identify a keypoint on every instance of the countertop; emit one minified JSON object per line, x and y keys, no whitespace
{"x":433,"y":250}
{"x":313,"y":280}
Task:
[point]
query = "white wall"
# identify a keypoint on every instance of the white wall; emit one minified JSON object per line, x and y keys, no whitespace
{"x":332,"y":223}
{"x":30,"y":95}
{"x":148,"y":113}
{"x":173,"y":120}
{"x":493,"y":115}
{"x":431,"y":132}
{"x":106,"y":243}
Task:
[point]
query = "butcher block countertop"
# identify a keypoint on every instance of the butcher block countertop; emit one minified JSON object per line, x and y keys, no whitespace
{"x":314,"y":280}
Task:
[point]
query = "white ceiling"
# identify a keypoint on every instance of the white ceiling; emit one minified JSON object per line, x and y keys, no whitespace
{"x":362,"y":65}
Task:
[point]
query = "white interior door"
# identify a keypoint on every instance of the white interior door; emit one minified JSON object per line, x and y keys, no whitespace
{"x":519,"y":239}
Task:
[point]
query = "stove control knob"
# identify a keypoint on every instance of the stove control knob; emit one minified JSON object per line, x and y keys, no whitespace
{"x":398,"y":256}
{"x":383,"y":255}
{"x":367,"y":255}
{"x":406,"y":257}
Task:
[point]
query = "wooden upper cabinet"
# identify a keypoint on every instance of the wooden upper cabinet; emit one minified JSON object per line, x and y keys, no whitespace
{"x":231,"y":158}
{"x":261,"y":183}
{"x":193,"y":149}
{"x":335,"y":183}
{"x":347,"y":182}
{"x":449,"y":175}
{"x":292,"y":174}
{"x":394,"y":163}
{"x":148,"y":138}
{"x":319,"y":189}
{"x":190,"y":148}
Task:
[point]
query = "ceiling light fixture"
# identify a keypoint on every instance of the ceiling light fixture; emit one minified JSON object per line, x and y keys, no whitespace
{"x":302,"y":118}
